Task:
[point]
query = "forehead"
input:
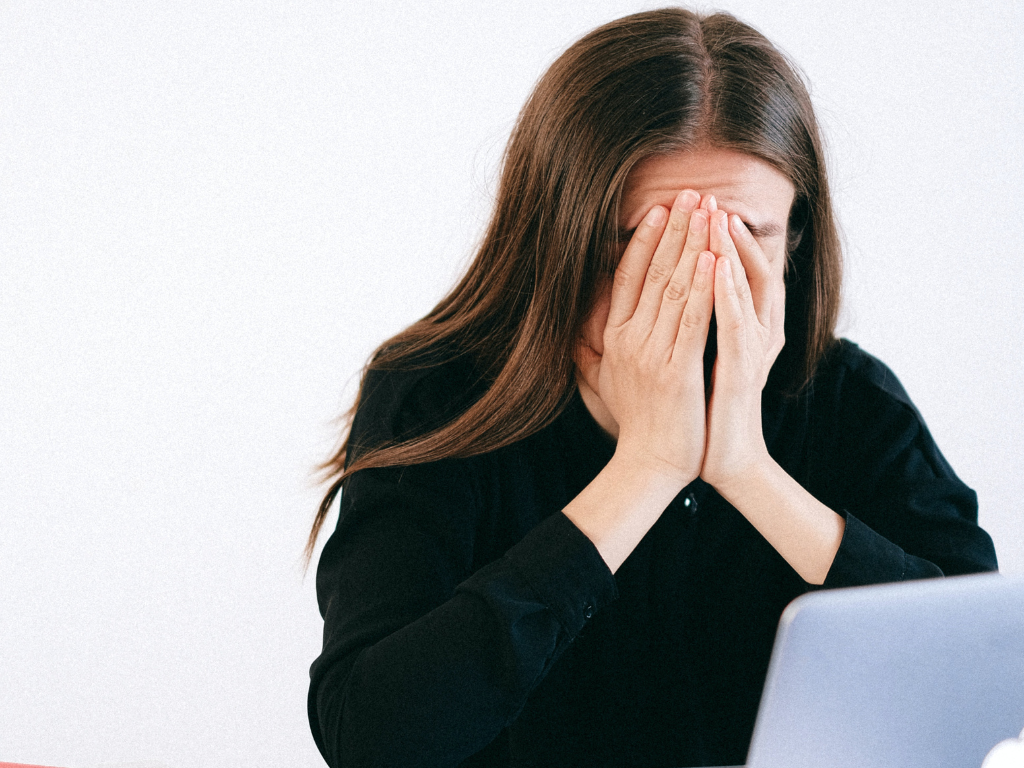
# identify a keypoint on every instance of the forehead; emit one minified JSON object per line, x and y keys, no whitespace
{"x":742,"y":184}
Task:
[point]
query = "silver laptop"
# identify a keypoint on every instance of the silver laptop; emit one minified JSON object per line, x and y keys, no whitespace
{"x":920,"y":674}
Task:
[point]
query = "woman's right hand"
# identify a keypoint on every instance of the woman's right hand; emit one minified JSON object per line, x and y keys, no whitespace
{"x":649,"y":375}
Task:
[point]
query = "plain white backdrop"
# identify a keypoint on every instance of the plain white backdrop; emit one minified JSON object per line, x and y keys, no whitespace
{"x":210,"y":214}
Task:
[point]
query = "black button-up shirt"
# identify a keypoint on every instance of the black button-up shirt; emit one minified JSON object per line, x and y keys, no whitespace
{"x":468,"y":621}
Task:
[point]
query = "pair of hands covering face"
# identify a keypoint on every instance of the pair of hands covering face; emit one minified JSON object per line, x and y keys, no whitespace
{"x":678,"y":266}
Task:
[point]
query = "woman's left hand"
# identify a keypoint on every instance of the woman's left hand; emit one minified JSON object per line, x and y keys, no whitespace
{"x":750,"y":309}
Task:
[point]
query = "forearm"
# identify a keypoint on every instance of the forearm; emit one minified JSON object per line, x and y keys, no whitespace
{"x":803,"y":530}
{"x":397,"y":682}
{"x":621,"y":504}
{"x":443,"y":686}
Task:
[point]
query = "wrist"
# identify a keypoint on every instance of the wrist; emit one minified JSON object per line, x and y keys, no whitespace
{"x":620,"y":505}
{"x":803,"y":530}
{"x":649,"y":469}
{"x":745,"y":479}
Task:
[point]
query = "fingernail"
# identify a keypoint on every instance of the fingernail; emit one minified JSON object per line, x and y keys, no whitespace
{"x":656,"y":217}
{"x":689,"y":199}
{"x":705,"y":261}
{"x":737,"y":224}
{"x":698,"y":221}
{"x":727,"y":269}
{"x":723,"y":223}
{"x":712,"y":203}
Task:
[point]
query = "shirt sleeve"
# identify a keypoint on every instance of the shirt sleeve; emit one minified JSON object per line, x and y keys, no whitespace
{"x":425,"y":661}
{"x":908,"y":516}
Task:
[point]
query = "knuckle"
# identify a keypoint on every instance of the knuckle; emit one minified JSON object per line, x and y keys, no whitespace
{"x":644,"y":365}
{"x":732,"y":324}
{"x":678,"y":224}
{"x":658,"y":272}
{"x":692,"y":319}
{"x":742,"y":289}
{"x":622,"y":278}
{"x":676,"y":292}
{"x":701,"y":281}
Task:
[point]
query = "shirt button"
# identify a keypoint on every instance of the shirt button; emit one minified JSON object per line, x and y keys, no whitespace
{"x":690,"y":504}
{"x":588,"y":611}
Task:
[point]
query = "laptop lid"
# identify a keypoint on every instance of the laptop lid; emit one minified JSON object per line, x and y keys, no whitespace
{"x":924,"y":673}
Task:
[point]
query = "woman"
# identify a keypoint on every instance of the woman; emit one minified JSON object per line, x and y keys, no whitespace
{"x":578,"y":494}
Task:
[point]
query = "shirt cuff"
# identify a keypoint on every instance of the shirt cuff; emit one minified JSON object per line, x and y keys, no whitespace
{"x":865,"y":557}
{"x":565,"y":571}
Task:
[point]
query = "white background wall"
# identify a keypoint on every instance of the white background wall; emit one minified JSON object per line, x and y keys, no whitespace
{"x":211,"y":212}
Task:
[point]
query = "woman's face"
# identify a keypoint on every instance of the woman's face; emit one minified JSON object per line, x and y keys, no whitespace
{"x":751,"y":188}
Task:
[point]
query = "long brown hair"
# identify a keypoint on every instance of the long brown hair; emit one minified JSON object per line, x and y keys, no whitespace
{"x":649,"y":83}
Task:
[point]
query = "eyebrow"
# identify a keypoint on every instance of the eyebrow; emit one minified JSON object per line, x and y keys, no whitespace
{"x":768,"y":229}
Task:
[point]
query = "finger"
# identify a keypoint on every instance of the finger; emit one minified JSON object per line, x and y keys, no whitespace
{"x":632,"y":268}
{"x":696,"y":319}
{"x":757,"y":268}
{"x":676,"y":294}
{"x":666,"y":258}
{"x":723,"y":245}
{"x":728,"y":309}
